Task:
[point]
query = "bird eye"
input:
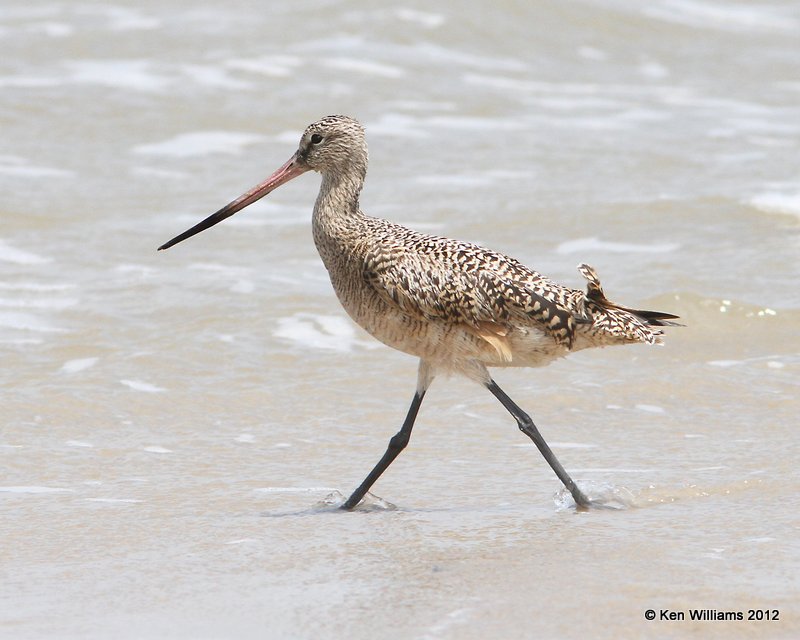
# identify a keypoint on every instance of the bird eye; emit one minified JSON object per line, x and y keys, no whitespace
{"x":316,"y":139}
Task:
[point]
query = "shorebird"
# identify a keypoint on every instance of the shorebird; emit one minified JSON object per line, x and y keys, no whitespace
{"x":458,"y":307}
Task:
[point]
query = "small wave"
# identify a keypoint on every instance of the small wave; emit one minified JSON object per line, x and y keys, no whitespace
{"x":32,"y":489}
{"x":278,"y":66}
{"x":594,"y":244}
{"x":334,"y":333}
{"x":200,"y":143}
{"x":27,"y":322}
{"x":34,"y":287}
{"x":294,"y":489}
{"x":722,"y":16}
{"x":777,"y":203}
{"x":365,"y":66}
{"x":124,"y":18}
{"x":56,"y":304}
{"x":650,"y":408}
{"x":422,"y":18}
{"x":118,"y":74}
{"x":214,"y":77}
{"x":20,"y":256}
{"x":138,"y":385}
{"x":21,"y":168}
{"x":79,"y":364}
{"x":370,"y":502}
{"x":602,"y":496}
{"x":80,"y":444}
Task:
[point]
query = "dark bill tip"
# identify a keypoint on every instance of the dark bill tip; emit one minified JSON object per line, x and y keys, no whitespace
{"x":288,"y":171}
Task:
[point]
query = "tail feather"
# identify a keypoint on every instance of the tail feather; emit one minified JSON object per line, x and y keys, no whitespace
{"x":653,"y":318}
{"x":643,"y":318}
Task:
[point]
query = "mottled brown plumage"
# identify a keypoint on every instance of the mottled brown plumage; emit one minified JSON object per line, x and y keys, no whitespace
{"x":457,"y":306}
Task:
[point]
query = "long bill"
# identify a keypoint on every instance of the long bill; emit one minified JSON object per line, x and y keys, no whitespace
{"x":293,"y":168}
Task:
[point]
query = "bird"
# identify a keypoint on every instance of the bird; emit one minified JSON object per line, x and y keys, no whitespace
{"x":458,"y":307}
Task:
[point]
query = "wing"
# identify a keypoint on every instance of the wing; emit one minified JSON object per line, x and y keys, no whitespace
{"x":438,"y":279}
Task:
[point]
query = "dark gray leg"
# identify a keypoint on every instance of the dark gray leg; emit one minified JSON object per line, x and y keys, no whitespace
{"x":396,"y":445}
{"x":529,"y":429}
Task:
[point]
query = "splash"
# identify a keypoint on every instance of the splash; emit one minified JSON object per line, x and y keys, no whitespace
{"x":336,"y":499}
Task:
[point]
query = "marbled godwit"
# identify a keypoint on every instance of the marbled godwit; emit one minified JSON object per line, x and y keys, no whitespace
{"x":459,"y":307}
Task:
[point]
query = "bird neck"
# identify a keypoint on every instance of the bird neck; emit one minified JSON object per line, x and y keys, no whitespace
{"x":338,"y":197}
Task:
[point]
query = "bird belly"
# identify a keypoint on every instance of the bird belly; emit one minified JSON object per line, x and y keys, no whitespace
{"x":448,"y":345}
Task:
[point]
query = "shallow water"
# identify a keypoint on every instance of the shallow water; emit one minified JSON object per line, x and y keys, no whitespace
{"x":173,"y":423}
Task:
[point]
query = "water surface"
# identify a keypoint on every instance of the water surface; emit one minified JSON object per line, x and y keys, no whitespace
{"x":171,"y":422}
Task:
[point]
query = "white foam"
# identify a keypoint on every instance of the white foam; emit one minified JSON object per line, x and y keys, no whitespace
{"x":138,"y":385}
{"x":591,"y":53}
{"x":292,"y":489}
{"x":594,"y":244}
{"x":227,"y":270}
{"x":155,"y":172}
{"x":79,"y":364}
{"x":609,"y":470}
{"x":200,"y":143}
{"x":289,"y":136}
{"x":397,"y":125}
{"x":214,"y":77}
{"x":45,"y":303}
{"x":136,"y":269}
{"x":242,"y":541}
{"x":556,"y":445}
{"x":778,"y":203}
{"x":482,"y":179}
{"x":121,"y":18}
{"x":20,"y":342}
{"x":653,"y":70}
{"x":243,"y":286}
{"x":650,"y":408}
{"x":277,"y":66}
{"x":27,"y":322}
{"x":335,"y":333}
{"x":33,"y":489}
{"x":19,"y":256}
{"x":471,"y":123}
{"x":21,"y":168}
{"x":79,"y":443}
{"x":572,"y":445}
{"x":437,"y":53}
{"x":118,"y":74}
{"x":52,"y":29}
{"x":34,"y":286}
{"x":760,"y":539}
{"x":725,"y":16}
{"x":724,"y":363}
{"x":157,"y":449}
{"x":422,"y":18}
{"x":114,"y":500}
{"x":364,"y":66}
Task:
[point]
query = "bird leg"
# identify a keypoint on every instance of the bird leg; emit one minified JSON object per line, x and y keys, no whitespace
{"x":529,"y":429}
{"x":396,"y":445}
